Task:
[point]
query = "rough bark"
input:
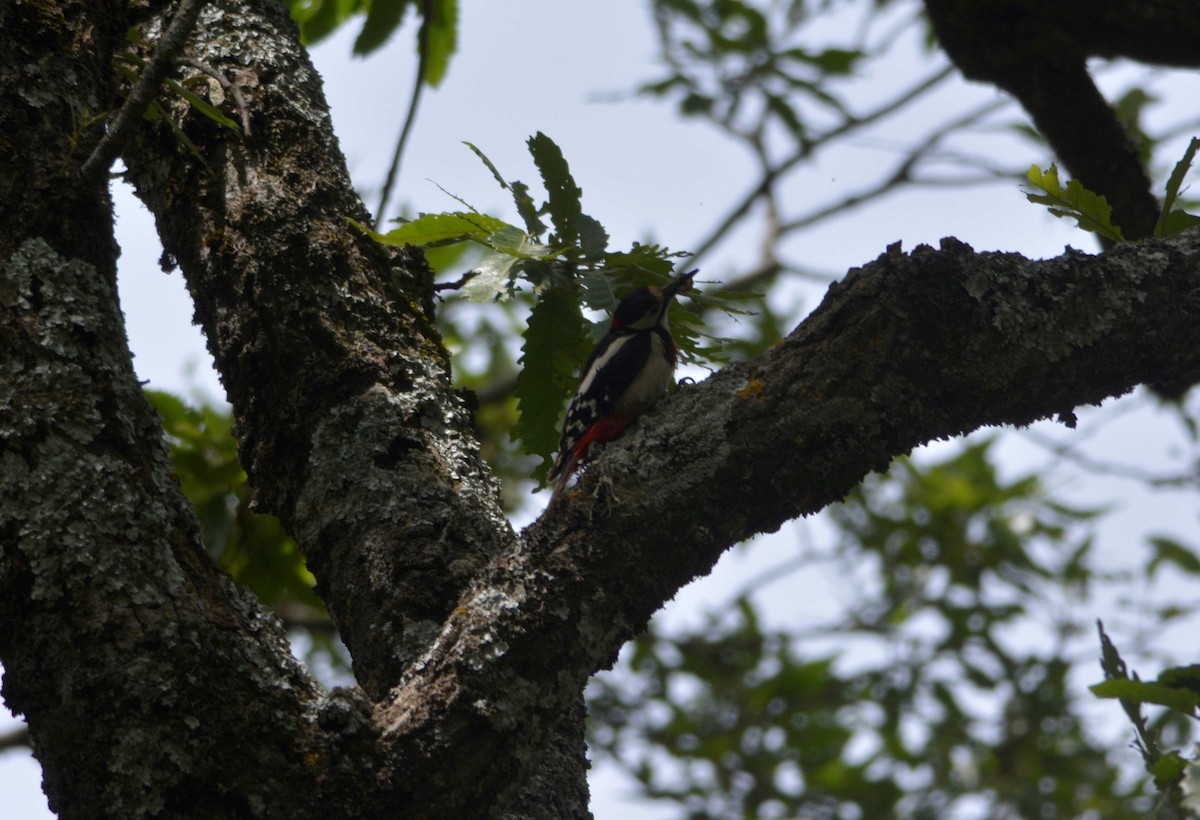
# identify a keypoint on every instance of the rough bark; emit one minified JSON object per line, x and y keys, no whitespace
{"x":326,"y":347}
{"x":472,"y":645}
{"x":140,"y":668}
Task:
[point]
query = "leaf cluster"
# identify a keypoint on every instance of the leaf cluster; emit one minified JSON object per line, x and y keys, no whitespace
{"x":1177,"y":691}
{"x":915,"y":702}
{"x":559,"y":261}
{"x":381,"y":19}
{"x":126,"y":61}
{"x":1092,"y":211}
{"x":740,"y":62}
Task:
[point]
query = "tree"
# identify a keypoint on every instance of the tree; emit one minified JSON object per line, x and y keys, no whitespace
{"x":471,"y":643}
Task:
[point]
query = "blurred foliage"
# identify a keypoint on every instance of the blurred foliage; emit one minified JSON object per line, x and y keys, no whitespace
{"x":380,"y":20}
{"x":750,"y":65}
{"x":925,"y":696}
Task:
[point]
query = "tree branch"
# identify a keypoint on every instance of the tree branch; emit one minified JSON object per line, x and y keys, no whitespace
{"x":140,"y":668}
{"x":349,"y":426}
{"x":375,"y":401}
{"x":808,"y":149}
{"x":1037,"y":52}
{"x":909,"y":349}
{"x":16,"y":739}
{"x":411,"y":117}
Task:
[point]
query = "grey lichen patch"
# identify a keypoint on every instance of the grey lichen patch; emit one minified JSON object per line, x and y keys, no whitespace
{"x":380,"y":430}
{"x":75,"y":504}
{"x":89,"y":523}
{"x":70,"y":299}
{"x":289,"y":75}
{"x":100,"y":555}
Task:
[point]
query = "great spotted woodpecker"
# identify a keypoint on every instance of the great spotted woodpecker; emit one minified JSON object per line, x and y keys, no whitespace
{"x":629,"y":370}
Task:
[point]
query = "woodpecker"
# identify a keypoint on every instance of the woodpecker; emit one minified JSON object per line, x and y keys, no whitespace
{"x":629,"y":370}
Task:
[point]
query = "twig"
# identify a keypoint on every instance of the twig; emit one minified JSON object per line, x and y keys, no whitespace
{"x":413,"y":103}
{"x":1187,"y":478}
{"x":228,"y":87}
{"x":147,"y":87}
{"x":807,"y":149}
{"x":457,"y":283}
{"x":16,"y":738}
{"x":1115,"y":669}
{"x":902,"y":175}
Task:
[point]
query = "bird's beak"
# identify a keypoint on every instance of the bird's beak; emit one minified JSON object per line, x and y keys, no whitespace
{"x":680,"y":284}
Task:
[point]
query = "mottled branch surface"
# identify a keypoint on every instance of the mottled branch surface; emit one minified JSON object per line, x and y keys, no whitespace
{"x":1037,"y":52}
{"x":471,"y":644}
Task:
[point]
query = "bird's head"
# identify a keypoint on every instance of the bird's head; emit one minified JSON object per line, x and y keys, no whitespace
{"x":646,"y":308}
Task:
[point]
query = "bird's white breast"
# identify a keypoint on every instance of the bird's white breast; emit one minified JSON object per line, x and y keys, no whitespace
{"x":652,"y":382}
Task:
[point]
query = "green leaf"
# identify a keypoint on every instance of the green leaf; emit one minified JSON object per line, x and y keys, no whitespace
{"x":695,"y":103}
{"x":1168,"y":769}
{"x":320,"y":18}
{"x":202,"y":105}
{"x":838,"y":61}
{"x":440,"y":229}
{"x":593,"y":239}
{"x":520,"y":193}
{"x":1171,"y":221}
{"x":490,"y":165}
{"x":778,"y":106}
{"x":599,"y":290}
{"x":441,"y":40}
{"x":564,"y":204}
{"x":443,"y":258}
{"x":383,"y":19}
{"x":516,"y":243}
{"x":555,"y":341}
{"x":121,"y":62}
{"x":1170,"y":551}
{"x":491,"y":277}
{"x":1137,"y":691}
{"x":528,"y":212}
{"x":1182,"y":677}
{"x":1090,"y":210}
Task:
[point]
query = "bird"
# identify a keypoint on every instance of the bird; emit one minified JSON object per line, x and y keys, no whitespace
{"x":627,"y":372}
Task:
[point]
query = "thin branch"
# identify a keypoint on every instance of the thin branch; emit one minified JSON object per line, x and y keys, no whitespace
{"x":1094,"y":466}
{"x":457,"y":283}
{"x":413,"y":103}
{"x":807,"y":149}
{"x":228,"y":87}
{"x":902,"y":175}
{"x":147,"y":87}
{"x":17,"y":738}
